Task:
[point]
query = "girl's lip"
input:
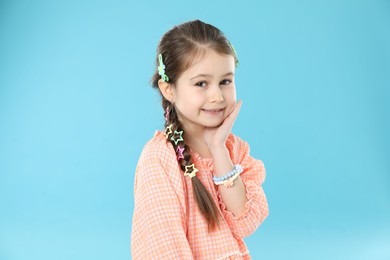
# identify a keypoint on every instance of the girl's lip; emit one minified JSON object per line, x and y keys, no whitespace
{"x":213,"y":111}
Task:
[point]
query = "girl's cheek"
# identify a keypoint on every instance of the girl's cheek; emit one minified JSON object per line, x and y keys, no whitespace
{"x":230,"y":109}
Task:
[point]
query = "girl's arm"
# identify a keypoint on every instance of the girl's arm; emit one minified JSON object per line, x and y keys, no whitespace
{"x":159,"y":226}
{"x":255,"y":206}
{"x":244,"y":205}
{"x":234,"y":197}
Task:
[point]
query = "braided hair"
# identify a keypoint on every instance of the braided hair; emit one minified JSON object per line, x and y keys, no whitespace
{"x":177,"y":50}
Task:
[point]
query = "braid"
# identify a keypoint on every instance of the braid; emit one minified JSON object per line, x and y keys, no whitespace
{"x":204,"y":200}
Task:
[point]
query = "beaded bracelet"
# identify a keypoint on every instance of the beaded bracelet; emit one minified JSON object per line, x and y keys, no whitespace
{"x":227,"y":179}
{"x":229,"y":182}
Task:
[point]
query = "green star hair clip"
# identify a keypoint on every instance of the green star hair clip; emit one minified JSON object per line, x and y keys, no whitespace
{"x":180,"y":134}
{"x":161,"y":69}
{"x":168,"y":130}
{"x":191,"y":173}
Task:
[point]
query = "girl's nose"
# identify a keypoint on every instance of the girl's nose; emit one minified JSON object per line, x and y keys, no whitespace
{"x":216,"y":95}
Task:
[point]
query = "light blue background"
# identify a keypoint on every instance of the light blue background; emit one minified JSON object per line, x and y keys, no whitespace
{"x":76,"y":109}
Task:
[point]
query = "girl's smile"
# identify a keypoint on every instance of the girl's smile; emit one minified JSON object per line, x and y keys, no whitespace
{"x":214,"y":112}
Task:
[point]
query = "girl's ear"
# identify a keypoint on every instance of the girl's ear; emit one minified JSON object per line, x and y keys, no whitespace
{"x":167,"y":90}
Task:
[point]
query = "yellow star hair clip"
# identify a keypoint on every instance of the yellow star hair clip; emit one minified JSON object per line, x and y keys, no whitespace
{"x":191,"y":173}
{"x":168,"y":130}
{"x":180,"y":133}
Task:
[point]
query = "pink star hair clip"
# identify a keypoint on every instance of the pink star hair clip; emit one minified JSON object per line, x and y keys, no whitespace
{"x":179,"y":151}
{"x":167,"y":114}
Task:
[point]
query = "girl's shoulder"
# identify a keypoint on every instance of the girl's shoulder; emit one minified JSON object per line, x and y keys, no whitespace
{"x":159,"y":156}
{"x":157,"y":148}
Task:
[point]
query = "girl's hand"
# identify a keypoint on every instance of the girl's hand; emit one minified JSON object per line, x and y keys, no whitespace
{"x":216,"y":137}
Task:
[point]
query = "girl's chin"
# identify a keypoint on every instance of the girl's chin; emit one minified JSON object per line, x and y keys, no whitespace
{"x":213,"y":125}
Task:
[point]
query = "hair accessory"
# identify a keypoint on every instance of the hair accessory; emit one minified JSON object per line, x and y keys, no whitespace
{"x":179,"y":151}
{"x":180,"y":138}
{"x":161,"y":69}
{"x":191,"y":173}
{"x":227,"y":179}
{"x":168,"y":130}
{"x":167,"y":114}
{"x":229,"y":182}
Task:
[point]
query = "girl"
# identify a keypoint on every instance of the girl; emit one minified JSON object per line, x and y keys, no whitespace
{"x":197,"y":190}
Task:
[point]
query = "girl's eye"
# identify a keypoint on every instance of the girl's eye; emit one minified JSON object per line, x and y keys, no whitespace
{"x":201,"y":84}
{"x":225,"y":82}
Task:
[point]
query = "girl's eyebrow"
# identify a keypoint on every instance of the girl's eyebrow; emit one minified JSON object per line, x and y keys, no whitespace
{"x":210,"y":76}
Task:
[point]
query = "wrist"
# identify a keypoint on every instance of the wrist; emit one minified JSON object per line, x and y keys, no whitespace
{"x":217,"y":150}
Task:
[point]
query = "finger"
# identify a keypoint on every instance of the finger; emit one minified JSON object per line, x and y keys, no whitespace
{"x":236,"y":109}
{"x":229,"y":120}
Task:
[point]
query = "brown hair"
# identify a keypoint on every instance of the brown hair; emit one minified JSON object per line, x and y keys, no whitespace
{"x":179,"y":47}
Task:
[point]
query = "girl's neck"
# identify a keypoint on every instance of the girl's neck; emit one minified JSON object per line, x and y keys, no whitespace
{"x":196,"y":142}
{"x":193,"y":136}
{"x":200,"y":149}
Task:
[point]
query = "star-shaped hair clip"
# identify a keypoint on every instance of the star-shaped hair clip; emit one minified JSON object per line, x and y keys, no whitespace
{"x":180,"y":138}
{"x":179,"y":151}
{"x":167,"y":114}
{"x":161,"y":69}
{"x":168,"y":130}
{"x":191,"y":171}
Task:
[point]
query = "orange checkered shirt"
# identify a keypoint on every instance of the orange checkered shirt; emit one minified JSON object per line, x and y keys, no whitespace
{"x":167,"y":223}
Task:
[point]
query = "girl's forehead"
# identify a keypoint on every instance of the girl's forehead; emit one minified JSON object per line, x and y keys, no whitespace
{"x":211,"y":63}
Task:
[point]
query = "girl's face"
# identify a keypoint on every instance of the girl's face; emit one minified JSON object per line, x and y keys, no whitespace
{"x":205,"y":93}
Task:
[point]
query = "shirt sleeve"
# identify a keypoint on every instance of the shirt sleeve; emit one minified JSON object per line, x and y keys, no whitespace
{"x":159,"y":225}
{"x":253,"y":176}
